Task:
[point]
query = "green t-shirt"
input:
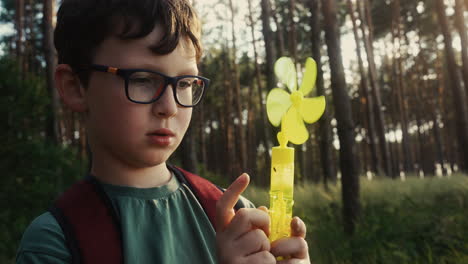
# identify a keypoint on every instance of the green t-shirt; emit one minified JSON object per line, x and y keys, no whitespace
{"x":159,"y":225}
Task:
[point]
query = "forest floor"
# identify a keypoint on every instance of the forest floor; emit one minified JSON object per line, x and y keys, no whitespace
{"x":411,"y":221}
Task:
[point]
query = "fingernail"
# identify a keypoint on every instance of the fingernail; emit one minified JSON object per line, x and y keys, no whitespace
{"x":245,"y":176}
{"x":297,"y":223}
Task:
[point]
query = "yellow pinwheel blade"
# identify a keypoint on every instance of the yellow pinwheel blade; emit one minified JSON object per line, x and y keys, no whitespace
{"x":310,"y":76}
{"x":277,"y":103}
{"x":286,"y":72}
{"x":294,"y":127}
{"x":313,"y":108}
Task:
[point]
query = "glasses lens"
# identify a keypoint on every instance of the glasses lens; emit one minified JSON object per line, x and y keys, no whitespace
{"x":145,"y":86}
{"x":190,"y":90}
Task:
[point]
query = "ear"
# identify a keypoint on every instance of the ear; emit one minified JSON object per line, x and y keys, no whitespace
{"x":70,"y":89}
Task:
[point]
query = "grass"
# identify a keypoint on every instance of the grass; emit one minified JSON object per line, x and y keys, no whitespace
{"x":411,"y":221}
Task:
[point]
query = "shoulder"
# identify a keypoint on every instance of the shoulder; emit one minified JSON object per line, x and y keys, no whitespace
{"x":43,"y":239}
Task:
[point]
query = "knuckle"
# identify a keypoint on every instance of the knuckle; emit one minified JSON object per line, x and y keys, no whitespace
{"x":242,"y":213}
{"x":262,"y":242}
{"x":264,"y":214}
{"x":266,"y":245}
{"x":267,"y":257}
{"x":259,"y":233}
{"x":303,"y":247}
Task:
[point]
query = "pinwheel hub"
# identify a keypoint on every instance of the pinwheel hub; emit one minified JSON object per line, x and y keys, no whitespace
{"x":296,"y":98}
{"x":282,"y":139}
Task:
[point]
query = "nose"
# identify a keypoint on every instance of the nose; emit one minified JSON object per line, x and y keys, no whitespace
{"x":166,"y":106}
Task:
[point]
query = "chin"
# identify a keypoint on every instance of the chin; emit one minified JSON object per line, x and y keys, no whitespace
{"x":155,"y":161}
{"x":151,"y":158}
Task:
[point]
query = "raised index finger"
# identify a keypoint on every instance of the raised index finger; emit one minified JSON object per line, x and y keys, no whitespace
{"x":225,"y":205}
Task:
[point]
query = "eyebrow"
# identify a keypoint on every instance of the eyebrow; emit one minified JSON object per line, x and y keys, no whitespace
{"x":157,"y":68}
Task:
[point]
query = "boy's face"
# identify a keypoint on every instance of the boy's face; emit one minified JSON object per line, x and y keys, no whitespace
{"x":123,"y":131}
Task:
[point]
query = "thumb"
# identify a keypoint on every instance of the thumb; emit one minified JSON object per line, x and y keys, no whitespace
{"x":298,"y":228}
{"x":225,"y":205}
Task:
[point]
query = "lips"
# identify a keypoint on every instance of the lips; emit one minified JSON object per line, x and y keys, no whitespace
{"x":162,"y":137}
{"x":162,"y":132}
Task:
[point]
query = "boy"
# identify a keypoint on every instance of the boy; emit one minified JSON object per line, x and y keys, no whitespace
{"x":130,"y":66}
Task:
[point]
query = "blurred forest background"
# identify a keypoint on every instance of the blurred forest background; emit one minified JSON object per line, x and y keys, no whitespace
{"x":382,"y":178}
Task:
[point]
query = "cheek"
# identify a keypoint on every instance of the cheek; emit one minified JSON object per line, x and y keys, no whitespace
{"x":110,"y":110}
{"x":186,"y":116}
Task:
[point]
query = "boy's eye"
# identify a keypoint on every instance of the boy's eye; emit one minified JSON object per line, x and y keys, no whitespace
{"x":184,"y":84}
{"x":141,"y":80}
{"x":146,"y":79}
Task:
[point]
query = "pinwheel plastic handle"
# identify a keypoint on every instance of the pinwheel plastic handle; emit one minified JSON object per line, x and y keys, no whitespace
{"x":281,"y":192}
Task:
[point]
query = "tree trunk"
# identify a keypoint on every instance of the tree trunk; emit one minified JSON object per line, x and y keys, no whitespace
{"x":458,"y":92}
{"x":203,"y":155}
{"x":343,"y":112}
{"x":423,"y":89}
{"x":252,"y":167}
{"x":292,"y":32}
{"x":437,"y":131}
{"x":292,"y":41}
{"x":52,"y":132}
{"x":368,"y":40}
{"x":241,"y":137}
{"x":29,"y":37}
{"x":445,"y":102}
{"x":325,"y":139}
{"x":19,"y":32}
{"x":189,"y":158}
{"x":279,"y":30}
{"x":436,"y":106}
{"x":258,"y":79}
{"x":422,"y":154}
{"x":221,"y":137}
{"x":400,"y":88}
{"x":229,"y":131}
{"x":461,"y":26}
{"x":200,"y":111}
{"x":269,"y":45}
{"x":368,"y":101}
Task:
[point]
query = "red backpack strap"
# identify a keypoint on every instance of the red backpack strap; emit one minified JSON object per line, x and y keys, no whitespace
{"x":89,"y":223}
{"x":206,"y":192}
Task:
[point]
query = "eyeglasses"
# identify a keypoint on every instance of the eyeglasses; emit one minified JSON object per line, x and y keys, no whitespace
{"x":145,"y":86}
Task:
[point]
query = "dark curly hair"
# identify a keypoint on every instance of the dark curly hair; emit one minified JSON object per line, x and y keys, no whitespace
{"x":83,"y":24}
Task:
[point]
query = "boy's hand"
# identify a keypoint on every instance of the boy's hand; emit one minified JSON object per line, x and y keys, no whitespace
{"x":242,"y":236}
{"x":294,"y":248}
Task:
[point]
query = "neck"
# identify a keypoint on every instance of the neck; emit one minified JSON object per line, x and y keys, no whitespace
{"x":126,"y":175}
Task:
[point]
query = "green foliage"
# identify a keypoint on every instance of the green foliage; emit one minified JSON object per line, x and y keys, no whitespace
{"x":34,"y":173}
{"x":219,"y":179}
{"x":415,"y":221}
{"x":23,"y":104}
{"x":423,"y":21}
{"x":34,"y":170}
{"x":32,"y":31}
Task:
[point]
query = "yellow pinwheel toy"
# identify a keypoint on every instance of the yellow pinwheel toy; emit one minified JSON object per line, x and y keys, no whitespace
{"x":290,"y":110}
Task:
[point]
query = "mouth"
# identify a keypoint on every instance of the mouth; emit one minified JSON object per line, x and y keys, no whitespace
{"x":162,"y":132}
{"x":162,"y":137}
